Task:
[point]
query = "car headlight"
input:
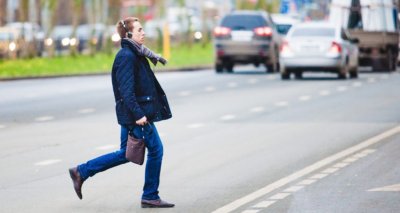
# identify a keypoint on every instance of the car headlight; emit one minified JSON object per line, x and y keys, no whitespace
{"x":65,"y":41}
{"x":12,"y":46}
{"x":198,"y":35}
{"x":48,"y":41}
{"x":115,"y":37}
{"x":73,"y":41}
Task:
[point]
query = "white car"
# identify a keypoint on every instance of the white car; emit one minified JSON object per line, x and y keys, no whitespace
{"x":318,"y":47}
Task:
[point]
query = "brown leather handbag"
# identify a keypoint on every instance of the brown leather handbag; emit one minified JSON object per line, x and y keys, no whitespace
{"x":135,"y":150}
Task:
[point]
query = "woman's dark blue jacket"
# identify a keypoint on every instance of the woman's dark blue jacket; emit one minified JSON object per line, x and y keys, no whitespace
{"x":136,"y":90}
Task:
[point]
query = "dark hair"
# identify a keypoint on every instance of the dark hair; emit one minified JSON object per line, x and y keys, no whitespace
{"x":128,"y":22}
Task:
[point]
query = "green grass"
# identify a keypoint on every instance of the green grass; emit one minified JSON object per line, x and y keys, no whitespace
{"x":181,"y":57}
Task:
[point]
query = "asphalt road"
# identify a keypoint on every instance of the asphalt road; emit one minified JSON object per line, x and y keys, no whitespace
{"x":241,"y":142}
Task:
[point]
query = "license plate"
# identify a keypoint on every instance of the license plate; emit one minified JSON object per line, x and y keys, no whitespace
{"x":242,"y":35}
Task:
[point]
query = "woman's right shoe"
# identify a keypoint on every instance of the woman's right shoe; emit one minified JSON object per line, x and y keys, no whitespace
{"x":156,"y":204}
{"x":76,"y":180}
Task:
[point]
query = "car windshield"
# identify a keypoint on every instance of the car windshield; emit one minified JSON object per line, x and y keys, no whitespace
{"x":313,"y":32}
{"x":243,"y":22}
{"x":5,"y":36}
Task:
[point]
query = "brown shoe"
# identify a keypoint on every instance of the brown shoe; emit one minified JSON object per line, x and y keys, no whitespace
{"x":156,"y":204}
{"x":77,"y":181}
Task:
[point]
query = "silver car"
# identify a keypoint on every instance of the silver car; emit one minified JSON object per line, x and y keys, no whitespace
{"x":246,"y":37}
{"x":318,"y":47}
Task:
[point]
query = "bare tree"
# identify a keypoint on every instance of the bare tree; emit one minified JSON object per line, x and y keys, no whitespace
{"x":51,"y":6}
{"x":77,"y":6}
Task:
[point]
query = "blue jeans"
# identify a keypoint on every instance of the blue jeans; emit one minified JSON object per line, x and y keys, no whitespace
{"x":153,"y":164}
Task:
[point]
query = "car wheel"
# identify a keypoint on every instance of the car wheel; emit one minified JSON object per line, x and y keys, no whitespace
{"x":342,"y":74}
{"x":285,"y":74}
{"x":229,"y":68}
{"x":298,"y":74}
{"x":219,"y":68}
{"x":354,"y":73}
{"x":271,"y":68}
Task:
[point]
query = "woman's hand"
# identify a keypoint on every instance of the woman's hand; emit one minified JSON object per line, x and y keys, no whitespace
{"x":142,"y":121}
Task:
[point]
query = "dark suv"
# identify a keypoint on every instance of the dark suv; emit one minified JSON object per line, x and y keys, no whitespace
{"x":244,"y":37}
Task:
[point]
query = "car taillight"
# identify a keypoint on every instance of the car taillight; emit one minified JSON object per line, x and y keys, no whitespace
{"x":284,"y":48}
{"x":221,"y":31}
{"x":335,"y":48}
{"x":263,"y":31}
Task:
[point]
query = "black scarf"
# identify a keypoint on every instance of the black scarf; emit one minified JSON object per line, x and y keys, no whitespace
{"x":142,"y":50}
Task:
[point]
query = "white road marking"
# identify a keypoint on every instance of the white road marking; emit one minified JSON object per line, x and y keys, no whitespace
{"x":107,"y":147}
{"x":340,"y":165}
{"x":47,"y":162}
{"x":304,"y":98}
{"x":228,"y":117}
{"x":293,"y":189}
{"x":195,"y":125}
{"x":350,"y":160}
{"x":209,"y":89}
{"x":252,"y":81}
{"x":44,"y":118}
{"x":325,"y":92}
{"x":184,"y":93}
{"x":2,"y":126}
{"x":330,"y":170}
{"x":307,"y":170}
{"x":86,"y":110}
{"x":357,"y":84}
{"x":391,"y":188}
{"x":271,"y":77}
{"x":282,"y":103}
{"x":279,"y":196}
{"x":371,"y":80}
{"x":257,"y":109}
{"x":307,"y":182}
{"x":251,"y":211}
{"x":264,"y":204}
{"x":319,"y":176}
{"x":232,"y":84}
{"x":384,"y":77}
{"x":341,"y":88}
{"x":368,"y":151}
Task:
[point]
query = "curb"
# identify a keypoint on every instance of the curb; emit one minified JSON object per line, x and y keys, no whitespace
{"x":183,"y":69}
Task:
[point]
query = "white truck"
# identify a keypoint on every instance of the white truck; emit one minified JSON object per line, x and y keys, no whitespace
{"x":375,"y":24}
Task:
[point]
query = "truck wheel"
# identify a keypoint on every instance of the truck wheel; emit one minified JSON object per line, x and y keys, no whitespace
{"x":354,"y":73}
{"x":285,"y":74}
{"x":298,"y":74}
{"x":219,"y":68}
{"x":342,"y":72}
{"x":229,"y":67}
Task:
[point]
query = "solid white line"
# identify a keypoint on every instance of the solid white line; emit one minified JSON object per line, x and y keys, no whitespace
{"x":251,"y":211}
{"x":340,"y":165}
{"x":350,"y":160}
{"x":264,"y":204}
{"x":86,"y":110}
{"x":319,"y":176}
{"x":307,"y":182}
{"x":257,"y":109}
{"x":304,"y":98}
{"x":47,"y":162}
{"x":293,"y":189}
{"x":325,"y":92}
{"x":282,"y":103}
{"x":368,"y":151}
{"x":44,"y":118}
{"x":307,"y":170}
{"x":107,"y":147}
{"x":330,"y":170}
{"x":228,"y":117}
{"x":279,"y":196}
{"x":195,"y":125}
